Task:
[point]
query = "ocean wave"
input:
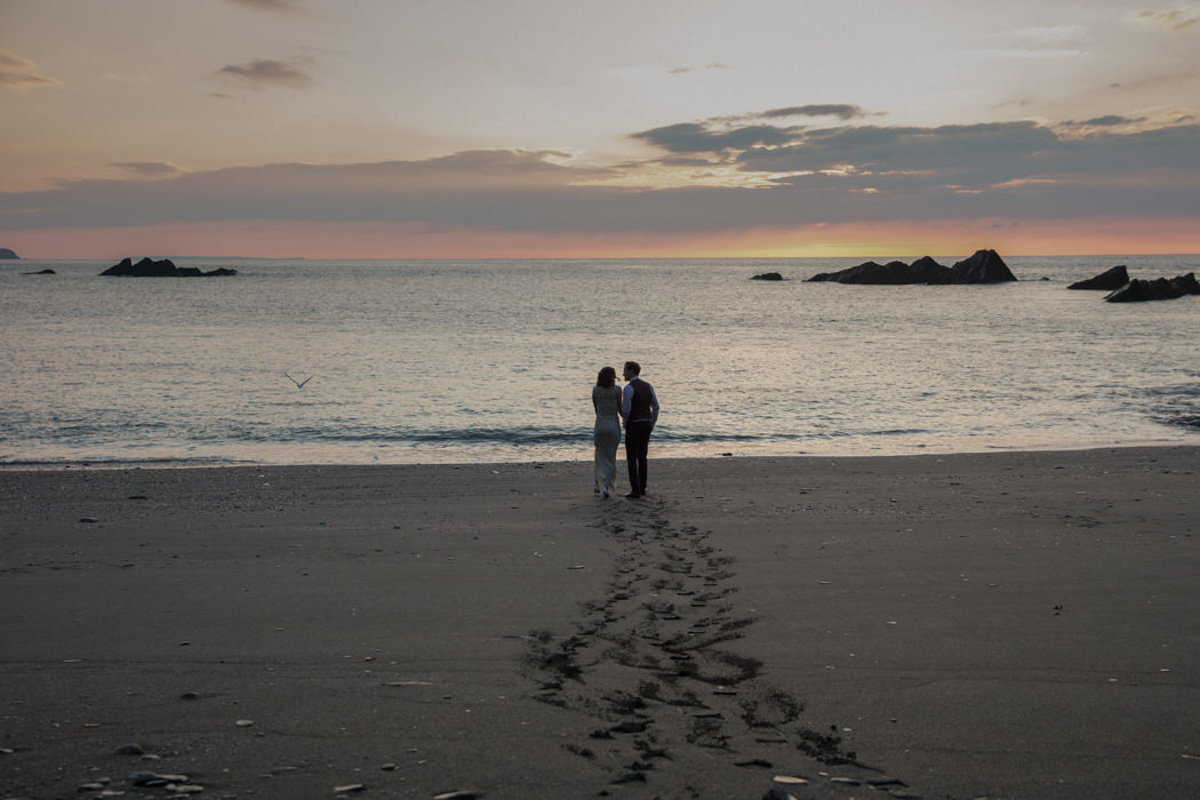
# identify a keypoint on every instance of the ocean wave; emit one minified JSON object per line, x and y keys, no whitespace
{"x":1177,"y":405}
{"x":79,"y":444}
{"x":532,"y":436}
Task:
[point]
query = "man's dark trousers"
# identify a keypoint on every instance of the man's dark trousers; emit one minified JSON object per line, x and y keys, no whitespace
{"x":637,"y":441}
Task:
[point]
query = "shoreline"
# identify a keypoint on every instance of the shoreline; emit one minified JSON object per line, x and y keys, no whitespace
{"x":1014,"y":624}
{"x":1184,"y":441}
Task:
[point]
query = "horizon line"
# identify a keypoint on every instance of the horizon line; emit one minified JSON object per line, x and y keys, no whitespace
{"x":582,"y":258}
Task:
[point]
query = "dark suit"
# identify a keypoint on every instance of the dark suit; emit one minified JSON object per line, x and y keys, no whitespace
{"x":641,"y":412}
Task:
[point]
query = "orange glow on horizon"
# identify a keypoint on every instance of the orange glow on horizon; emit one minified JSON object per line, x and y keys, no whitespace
{"x":333,"y":241}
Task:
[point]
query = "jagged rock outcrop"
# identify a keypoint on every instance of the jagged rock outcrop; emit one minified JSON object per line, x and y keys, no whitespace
{"x":1140,"y":291}
{"x":893,"y":273}
{"x":1108,"y":280}
{"x":1187,"y":283}
{"x":768,"y":276}
{"x":925,"y":265}
{"x":985,"y":266}
{"x":149,"y":268}
{"x":6,"y":253}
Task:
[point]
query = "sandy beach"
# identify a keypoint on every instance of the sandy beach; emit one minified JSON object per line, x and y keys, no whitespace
{"x":1011,"y":626}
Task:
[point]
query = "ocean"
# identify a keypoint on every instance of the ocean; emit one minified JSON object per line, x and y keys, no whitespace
{"x":489,"y":361}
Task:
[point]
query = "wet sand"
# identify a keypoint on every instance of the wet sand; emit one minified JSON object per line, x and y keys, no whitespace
{"x":1009,"y":625}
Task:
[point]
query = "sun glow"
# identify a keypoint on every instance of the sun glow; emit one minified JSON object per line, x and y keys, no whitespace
{"x":899,"y":239}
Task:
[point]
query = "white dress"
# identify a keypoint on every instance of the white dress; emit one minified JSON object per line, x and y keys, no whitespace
{"x":607,"y":434}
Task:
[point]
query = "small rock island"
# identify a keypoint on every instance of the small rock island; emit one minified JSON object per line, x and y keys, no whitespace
{"x":985,"y":266}
{"x":1139,"y":290}
{"x":1107,"y":281}
{"x":165,"y":268}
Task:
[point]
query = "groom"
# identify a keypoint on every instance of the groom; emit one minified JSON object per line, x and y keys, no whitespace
{"x":639,"y":407}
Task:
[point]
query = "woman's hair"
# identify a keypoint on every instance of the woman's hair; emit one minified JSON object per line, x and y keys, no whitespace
{"x":607,"y":377}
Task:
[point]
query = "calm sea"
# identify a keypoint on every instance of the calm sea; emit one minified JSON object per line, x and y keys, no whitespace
{"x":489,"y":361}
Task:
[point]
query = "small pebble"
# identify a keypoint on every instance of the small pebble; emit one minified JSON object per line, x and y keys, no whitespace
{"x":244,"y":723}
{"x":350,"y":787}
{"x":629,"y":727}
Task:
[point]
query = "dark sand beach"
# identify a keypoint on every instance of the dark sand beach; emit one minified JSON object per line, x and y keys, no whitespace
{"x":1004,"y":626}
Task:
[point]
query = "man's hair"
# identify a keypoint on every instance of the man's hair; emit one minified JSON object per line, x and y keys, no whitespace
{"x":633,"y":367}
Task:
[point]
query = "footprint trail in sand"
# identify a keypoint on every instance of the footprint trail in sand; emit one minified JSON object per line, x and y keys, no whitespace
{"x":680,"y":712}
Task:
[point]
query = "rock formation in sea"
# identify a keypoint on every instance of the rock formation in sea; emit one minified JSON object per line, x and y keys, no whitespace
{"x":41,"y":272}
{"x":893,"y":273}
{"x":985,"y":266}
{"x":768,"y":276}
{"x":1139,"y":291}
{"x":1187,"y":283}
{"x":1108,"y":280}
{"x":6,"y":253}
{"x":149,"y":268}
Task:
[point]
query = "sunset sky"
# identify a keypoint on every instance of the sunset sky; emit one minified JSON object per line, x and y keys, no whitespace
{"x":557,"y":128}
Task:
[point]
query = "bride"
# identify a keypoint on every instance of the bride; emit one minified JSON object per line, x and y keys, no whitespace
{"x":606,"y":399}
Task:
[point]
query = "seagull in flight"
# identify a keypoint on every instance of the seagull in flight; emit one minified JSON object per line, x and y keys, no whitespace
{"x":299,"y":384}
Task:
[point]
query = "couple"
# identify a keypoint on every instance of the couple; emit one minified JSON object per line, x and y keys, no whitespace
{"x":637,"y":405}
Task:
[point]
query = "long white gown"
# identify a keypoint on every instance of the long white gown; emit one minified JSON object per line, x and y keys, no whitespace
{"x":607,"y":434}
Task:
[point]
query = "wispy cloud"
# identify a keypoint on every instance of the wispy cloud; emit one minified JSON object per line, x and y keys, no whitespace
{"x":19,"y":74}
{"x":685,"y":70}
{"x":1179,"y":19}
{"x":975,"y":154}
{"x":1030,"y":53}
{"x":1035,"y":43}
{"x":742,"y":131}
{"x":839,"y":110}
{"x":698,"y":137}
{"x":1047,"y":34}
{"x":268,"y":72}
{"x":149,"y":169}
{"x":1106,"y":121}
{"x":1157,"y":81}
{"x":273,"y":6}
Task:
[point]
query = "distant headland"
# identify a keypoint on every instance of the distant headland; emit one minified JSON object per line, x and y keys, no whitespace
{"x":6,"y":253}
